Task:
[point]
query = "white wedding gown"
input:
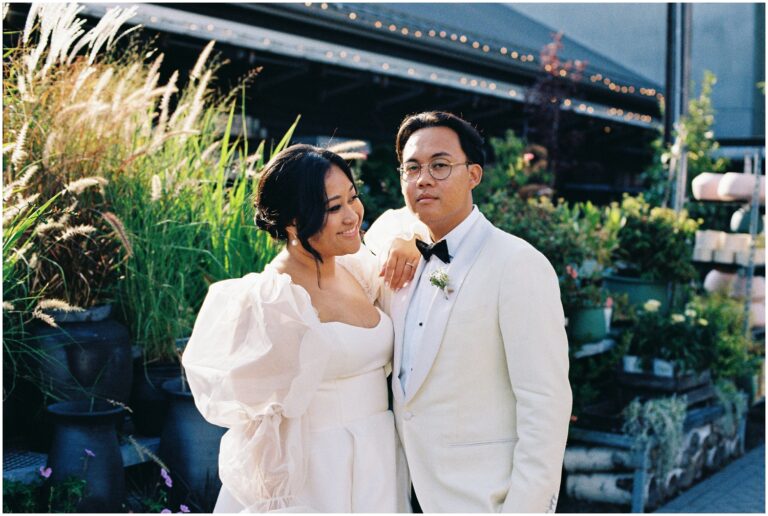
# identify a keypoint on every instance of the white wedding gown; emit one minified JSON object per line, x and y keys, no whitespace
{"x":352,"y":441}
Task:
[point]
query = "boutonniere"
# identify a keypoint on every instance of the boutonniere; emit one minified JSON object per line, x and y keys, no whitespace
{"x":440,"y":279}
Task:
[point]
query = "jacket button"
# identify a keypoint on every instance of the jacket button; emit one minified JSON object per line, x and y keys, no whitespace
{"x":408,"y":416}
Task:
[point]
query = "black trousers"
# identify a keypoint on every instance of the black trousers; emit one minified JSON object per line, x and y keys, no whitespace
{"x":415,"y":502}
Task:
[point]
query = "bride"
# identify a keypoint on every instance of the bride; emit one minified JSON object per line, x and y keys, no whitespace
{"x":294,"y":360}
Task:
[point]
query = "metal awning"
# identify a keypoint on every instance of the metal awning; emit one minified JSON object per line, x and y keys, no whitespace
{"x":299,"y":47}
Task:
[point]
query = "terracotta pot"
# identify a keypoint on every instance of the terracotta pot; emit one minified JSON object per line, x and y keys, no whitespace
{"x":702,"y":254}
{"x":704,"y":186}
{"x":737,"y":241}
{"x":736,"y":186}
{"x":710,"y":239}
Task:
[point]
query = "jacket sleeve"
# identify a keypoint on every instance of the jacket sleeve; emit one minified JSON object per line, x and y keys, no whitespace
{"x":533,"y":330}
{"x":254,"y":361}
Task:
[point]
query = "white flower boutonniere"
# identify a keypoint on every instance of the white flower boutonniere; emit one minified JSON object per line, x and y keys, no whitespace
{"x":440,"y":279}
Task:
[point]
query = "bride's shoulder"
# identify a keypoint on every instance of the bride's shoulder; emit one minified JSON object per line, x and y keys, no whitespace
{"x":270,"y":292}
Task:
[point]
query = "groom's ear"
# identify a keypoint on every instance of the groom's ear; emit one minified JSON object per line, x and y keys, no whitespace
{"x":475,"y":174}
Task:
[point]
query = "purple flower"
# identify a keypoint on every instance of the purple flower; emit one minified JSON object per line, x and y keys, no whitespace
{"x":89,"y":452}
{"x":183,"y":508}
{"x":165,"y":511}
{"x":45,"y":472}
{"x":166,"y":477}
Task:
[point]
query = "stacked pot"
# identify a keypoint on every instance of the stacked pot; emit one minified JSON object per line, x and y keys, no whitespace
{"x":732,"y":248}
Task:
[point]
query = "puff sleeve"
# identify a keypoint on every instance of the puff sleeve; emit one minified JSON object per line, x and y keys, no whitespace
{"x":254,"y":361}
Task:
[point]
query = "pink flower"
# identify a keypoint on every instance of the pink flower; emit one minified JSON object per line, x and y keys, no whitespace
{"x":570,"y":271}
{"x":166,"y":477}
{"x":165,"y":511}
{"x":609,"y":302}
{"x":45,"y":472}
{"x":183,"y":508}
{"x":89,"y":452}
{"x":528,"y":157}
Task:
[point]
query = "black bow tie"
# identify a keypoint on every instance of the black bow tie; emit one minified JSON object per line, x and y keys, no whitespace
{"x":439,"y":249}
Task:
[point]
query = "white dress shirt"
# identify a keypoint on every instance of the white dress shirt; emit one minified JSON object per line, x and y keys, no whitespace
{"x":424,"y":294}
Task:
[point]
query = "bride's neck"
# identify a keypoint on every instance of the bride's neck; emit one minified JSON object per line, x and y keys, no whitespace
{"x":296,"y":259}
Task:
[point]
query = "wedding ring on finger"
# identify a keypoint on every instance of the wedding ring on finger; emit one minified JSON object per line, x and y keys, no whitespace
{"x":409,"y":264}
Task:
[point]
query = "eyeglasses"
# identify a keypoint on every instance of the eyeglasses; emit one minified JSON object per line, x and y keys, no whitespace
{"x":439,"y":169}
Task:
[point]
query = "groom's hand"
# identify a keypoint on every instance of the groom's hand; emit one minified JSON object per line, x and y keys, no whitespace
{"x":401,"y":263}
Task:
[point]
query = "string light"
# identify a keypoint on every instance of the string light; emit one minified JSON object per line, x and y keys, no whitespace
{"x":478,"y":45}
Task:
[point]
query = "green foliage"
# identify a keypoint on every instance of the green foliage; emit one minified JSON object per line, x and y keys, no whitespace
{"x":516,"y":168}
{"x":43,"y":497}
{"x":661,"y":419}
{"x":698,"y":137}
{"x":593,"y":376}
{"x":579,"y":240}
{"x":378,"y":182}
{"x":734,"y":403}
{"x":655,"y":243}
{"x":687,"y":339}
{"x":733,"y":349}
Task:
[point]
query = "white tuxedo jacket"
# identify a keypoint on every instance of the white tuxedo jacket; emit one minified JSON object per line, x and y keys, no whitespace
{"x":485,"y":419}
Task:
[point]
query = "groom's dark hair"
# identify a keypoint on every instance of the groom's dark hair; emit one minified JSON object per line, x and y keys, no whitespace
{"x":469,"y":137}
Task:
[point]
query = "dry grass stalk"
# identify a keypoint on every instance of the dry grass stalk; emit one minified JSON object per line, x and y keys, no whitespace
{"x":47,"y":319}
{"x":78,"y":186}
{"x":352,"y":145}
{"x":119,"y":228}
{"x":157,"y":188}
{"x":349,"y":156}
{"x":79,"y":230}
{"x":58,"y":304}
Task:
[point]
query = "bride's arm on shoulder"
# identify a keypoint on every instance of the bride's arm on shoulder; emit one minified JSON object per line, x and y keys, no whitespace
{"x":392,"y":237}
{"x":256,"y":376}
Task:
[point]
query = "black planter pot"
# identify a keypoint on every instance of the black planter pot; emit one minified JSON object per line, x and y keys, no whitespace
{"x":85,"y":446}
{"x":84,"y":360}
{"x":189,"y":446}
{"x":148,"y":400}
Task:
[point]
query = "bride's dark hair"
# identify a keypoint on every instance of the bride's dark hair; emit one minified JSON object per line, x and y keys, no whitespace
{"x":292,"y":190}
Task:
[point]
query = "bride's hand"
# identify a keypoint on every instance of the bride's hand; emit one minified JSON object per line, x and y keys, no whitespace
{"x":401,"y":263}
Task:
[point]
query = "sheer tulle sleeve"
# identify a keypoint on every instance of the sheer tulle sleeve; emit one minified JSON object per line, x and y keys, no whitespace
{"x":400,"y":223}
{"x":254,"y":361}
{"x":365,"y":267}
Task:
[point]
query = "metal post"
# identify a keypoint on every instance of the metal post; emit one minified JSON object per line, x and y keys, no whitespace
{"x":753,"y":221}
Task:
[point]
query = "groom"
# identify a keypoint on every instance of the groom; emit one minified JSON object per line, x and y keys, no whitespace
{"x":480,"y":377}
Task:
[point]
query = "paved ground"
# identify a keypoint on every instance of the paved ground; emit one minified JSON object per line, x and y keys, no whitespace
{"x":740,"y":487}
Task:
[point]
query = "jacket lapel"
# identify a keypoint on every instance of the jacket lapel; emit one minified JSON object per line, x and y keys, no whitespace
{"x":440,"y":309}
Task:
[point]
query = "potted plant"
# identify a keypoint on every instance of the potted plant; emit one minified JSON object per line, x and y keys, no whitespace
{"x":72,"y":253}
{"x":670,"y":345}
{"x":653,"y":253}
{"x":587,"y":304}
{"x":661,"y":419}
{"x":85,"y":447}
